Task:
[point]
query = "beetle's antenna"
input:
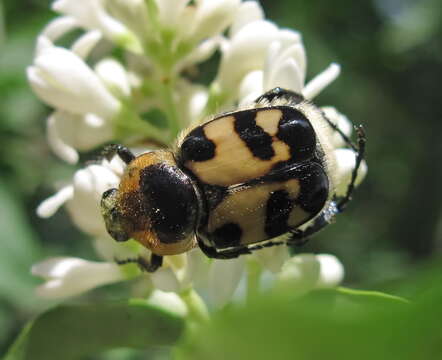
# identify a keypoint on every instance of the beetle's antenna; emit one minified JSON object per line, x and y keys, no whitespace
{"x":346,"y":139}
{"x":360,"y":151}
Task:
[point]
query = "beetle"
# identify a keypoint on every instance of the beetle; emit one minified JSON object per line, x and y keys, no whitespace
{"x":242,"y":181}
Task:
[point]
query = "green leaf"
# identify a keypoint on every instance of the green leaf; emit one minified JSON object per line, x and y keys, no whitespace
{"x":19,"y":250}
{"x":326,"y":324}
{"x":72,"y":331}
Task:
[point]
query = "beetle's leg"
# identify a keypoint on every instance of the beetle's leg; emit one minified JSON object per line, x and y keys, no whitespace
{"x":156,"y":261}
{"x":300,"y":237}
{"x":229,"y":254}
{"x":279,"y":93}
{"x":359,"y":157}
{"x":123,"y":152}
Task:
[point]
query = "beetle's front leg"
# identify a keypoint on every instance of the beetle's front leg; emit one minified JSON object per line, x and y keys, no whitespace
{"x":156,"y":261}
{"x":123,"y":152}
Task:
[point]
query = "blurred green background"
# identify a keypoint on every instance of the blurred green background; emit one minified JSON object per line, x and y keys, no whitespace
{"x":391,"y":57}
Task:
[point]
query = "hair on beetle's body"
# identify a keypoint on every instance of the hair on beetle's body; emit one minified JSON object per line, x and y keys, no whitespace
{"x":244,"y":180}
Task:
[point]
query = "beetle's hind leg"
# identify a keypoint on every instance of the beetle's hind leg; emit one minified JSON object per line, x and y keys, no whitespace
{"x":156,"y":261}
{"x":300,"y":237}
{"x":116,"y":149}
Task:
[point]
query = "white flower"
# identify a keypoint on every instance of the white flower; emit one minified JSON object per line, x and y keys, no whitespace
{"x":68,"y":132}
{"x":244,"y":52}
{"x":168,"y":301}
{"x":66,"y":276}
{"x":247,"y":12}
{"x":345,"y":158}
{"x":82,"y":197}
{"x":62,"y":79}
{"x":305,"y":272}
{"x":341,"y":121}
{"x":204,"y":19}
{"x":285,"y":67}
{"x":346,"y":161}
{"x":114,"y":76}
{"x":180,"y":272}
{"x":92,"y":14}
{"x":224,"y":278}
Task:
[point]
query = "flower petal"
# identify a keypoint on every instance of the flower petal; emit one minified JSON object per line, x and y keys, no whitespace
{"x":86,"y":43}
{"x":246,"y":52}
{"x":287,"y":75}
{"x":272,"y":258}
{"x":300,"y":274}
{"x":248,"y":12}
{"x":59,"y":27}
{"x":48,"y":207}
{"x":84,"y":207}
{"x":168,"y":301}
{"x":224,"y":277}
{"x":212,"y":17}
{"x":57,"y":143}
{"x":321,"y":81}
{"x":73,"y":276}
{"x":346,"y":161}
{"x":91,"y":15}
{"x":341,"y":121}
{"x":165,"y":279}
{"x":332,"y":271}
{"x":251,"y":87}
{"x":63,"y":80}
{"x":114,"y":76}
{"x":69,"y":132}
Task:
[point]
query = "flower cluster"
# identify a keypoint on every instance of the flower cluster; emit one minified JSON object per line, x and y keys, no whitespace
{"x":129,"y":78}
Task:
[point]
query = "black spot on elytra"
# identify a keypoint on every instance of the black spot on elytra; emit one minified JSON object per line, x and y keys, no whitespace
{"x":296,"y":131}
{"x":314,"y":188}
{"x":227,"y":235}
{"x":197,"y":147}
{"x":256,"y":139}
{"x":279,"y":206}
{"x":170,"y":200}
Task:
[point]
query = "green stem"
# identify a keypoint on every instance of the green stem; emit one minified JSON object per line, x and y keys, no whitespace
{"x":128,"y":122}
{"x":169,"y":105}
{"x":196,"y":307}
{"x":217,"y":99}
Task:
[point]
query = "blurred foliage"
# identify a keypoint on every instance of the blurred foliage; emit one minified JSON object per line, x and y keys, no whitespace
{"x":326,"y":324}
{"x":78,"y":330}
{"x":391,"y":57}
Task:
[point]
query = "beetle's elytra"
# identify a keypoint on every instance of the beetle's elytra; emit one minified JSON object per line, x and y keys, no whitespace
{"x":233,"y":184}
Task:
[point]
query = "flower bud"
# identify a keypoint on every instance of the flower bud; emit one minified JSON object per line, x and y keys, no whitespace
{"x":62,"y":79}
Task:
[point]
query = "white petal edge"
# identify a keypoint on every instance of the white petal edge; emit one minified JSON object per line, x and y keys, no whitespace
{"x":332,"y":271}
{"x":346,"y":161}
{"x":341,"y":121}
{"x":86,"y":43}
{"x":288,"y":76}
{"x":49,"y":206}
{"x":58,"y":146}
{"x":58,"y":27}
{"x":168,"y":301}
{"x":224,"y":277}
{"x":248,"y":12}
{"x":321,"y":81}
{"x":73,"y":276}
{"x":165,"y":279}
